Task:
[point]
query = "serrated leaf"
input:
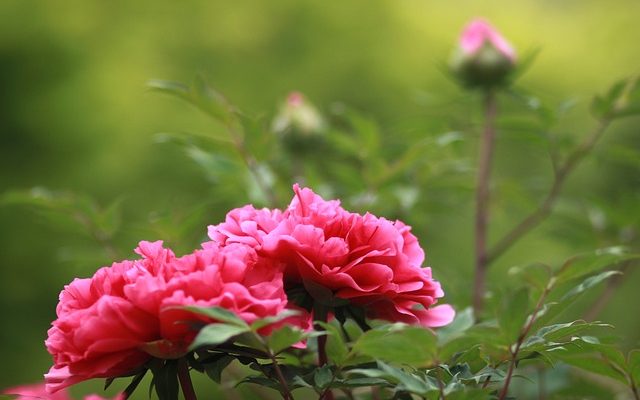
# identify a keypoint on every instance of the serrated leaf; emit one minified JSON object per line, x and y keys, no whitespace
{"x":215,"y":334}
{"x":589,"y":263}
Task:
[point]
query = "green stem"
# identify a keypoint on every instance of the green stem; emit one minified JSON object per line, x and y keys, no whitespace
{"x":523,"y":335}
{"x":321,"y":313}
{"x":634,"y":390}
{"x":482,"y":199}
{"x":286,"y":394}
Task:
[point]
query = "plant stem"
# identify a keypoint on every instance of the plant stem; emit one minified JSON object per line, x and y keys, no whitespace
{"x":544,"y":209}
{"x":440,"y":384}
{"x":482,"y":199}
{"x":634,"y":390}
{"x":322,"y":314}
{"x":185,"y":380}
{"x":286,"y":394}
{"x":523,"y":335}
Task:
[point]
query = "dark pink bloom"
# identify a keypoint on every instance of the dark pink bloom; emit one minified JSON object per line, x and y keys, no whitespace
{"x":111,"y":324}
{"x":478,"y":33}
{"x":369,"y":261}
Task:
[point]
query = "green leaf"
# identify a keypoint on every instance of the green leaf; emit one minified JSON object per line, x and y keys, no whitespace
{"x":589,"y":263}
{"x":172,"y":88}
{"x":282,"y":315}
{"x":622,"y":99}
{"x":536,"y":274}
{"x":596,"y":365}
{"x":462,"y":322}
{"x":215,"y":334}
{"x":219,"y":314}
{"x":199,"y":95}
{"x":336,"y":348}
{"x":260,"y":380}
{"x":323,"y":377}
{"x":551,"y":336}
{"x":513,"y":313}
{"x":587,"y":284}
{"x":398,"y":343}
{"x":633,"y":365}
{"x":403,"y":380}
{"x":131,"y":387}
{"x":213,"y":368}
{"x":165,"y":379}
{"x":368,"y":134}
{"x":361,"y":382}
{"x":284,"y":337}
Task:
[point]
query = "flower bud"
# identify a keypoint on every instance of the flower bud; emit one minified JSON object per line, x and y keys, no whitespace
{"x":484,"y":58}
{"x":299,"y":123}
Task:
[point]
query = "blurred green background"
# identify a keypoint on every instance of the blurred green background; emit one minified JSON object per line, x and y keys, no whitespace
{"x":75,"y":116}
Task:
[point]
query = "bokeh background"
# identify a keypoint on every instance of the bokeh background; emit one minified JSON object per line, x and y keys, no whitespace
{"x":75,"y":116}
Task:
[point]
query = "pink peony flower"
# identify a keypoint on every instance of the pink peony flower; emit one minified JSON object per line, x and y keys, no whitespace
{"x":369,"y":261}
{"x":111,"y":324}
{"x":38,"y":391}
{"x":478,"y":33}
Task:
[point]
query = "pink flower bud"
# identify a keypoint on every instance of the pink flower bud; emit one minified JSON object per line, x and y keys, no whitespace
{"x":484,"y":58}
{"x":480,"y":32}
{"x":299,"y":125}
{"x":298,"y":117}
